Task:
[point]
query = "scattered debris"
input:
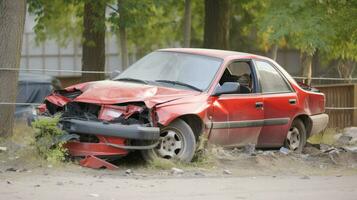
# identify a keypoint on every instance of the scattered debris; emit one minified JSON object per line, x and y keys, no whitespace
{"x":94,"y":195}
{"x":176,"y":171}
{"x":199,"y":174}
{"x":284,"y":150}
{"x":344,"y":139}
{"x":3,"y":149}
{"x":226,"y":171}
{"x":8,"y":182}
{"x":96,"y":163}
{"x":250,"y":149}
{"x":11,"y":169}
{"x":128,"y":172}
{"x":59,"y":183}
{"x":350,"y":149}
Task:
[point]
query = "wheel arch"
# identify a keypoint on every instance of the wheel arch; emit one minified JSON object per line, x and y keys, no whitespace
{"x":195,"y":122}
{"x":306,"y":120}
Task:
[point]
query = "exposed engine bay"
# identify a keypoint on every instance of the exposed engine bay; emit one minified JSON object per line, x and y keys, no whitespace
{"x":94,"y":130}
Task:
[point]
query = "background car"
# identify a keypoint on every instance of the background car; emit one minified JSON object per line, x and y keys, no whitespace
{"x":32,"y":89}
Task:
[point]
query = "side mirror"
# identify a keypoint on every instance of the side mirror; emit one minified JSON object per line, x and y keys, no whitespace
{"x":227,"y":88}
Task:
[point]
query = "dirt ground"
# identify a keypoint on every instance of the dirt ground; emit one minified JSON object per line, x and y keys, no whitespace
{"x":70,"y":185}
{"x":224,"y":174}
{"x":232,"y":175}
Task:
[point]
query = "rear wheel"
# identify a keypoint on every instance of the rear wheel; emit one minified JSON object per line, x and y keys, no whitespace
{"x":177,"y":141}
{"x":296,"y":137}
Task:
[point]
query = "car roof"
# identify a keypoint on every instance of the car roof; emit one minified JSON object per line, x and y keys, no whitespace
{"x":229,"y":55}
{"x":223,"y":54}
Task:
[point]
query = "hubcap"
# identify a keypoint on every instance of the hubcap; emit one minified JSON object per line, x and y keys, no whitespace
{"x":171,"y":144}
{"x":293,"y":138}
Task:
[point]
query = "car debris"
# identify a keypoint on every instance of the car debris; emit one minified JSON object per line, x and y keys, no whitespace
{"x":96,"y":163}
{"x":284,"y":150}
{"x":176,"y":171}
{"x":94,"y":195}
{"x":128,"y":172}
{"x":227,"y":172}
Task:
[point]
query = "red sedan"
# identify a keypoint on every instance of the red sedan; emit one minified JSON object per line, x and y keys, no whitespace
{"x":164,"y":102}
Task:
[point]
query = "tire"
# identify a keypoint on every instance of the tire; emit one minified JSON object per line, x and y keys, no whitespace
{"x":177,"y":141}
{"x":296,"y":137}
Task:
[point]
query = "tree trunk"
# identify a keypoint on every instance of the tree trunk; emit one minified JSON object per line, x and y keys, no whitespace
{"x":122,"y":35}
{"x":12,"y":19}
{"x":187,"y":24}
{"x":274,"y":52}
{"x":306,"y":62}
{"x":345,"y":69}
{"x":217,"y":24}
{"x":93,"y":58}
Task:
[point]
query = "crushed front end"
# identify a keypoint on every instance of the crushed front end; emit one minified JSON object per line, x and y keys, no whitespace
{"x":99,"y":131}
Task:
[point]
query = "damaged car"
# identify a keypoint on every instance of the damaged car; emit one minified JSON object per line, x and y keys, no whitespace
{"x":165,"y":102}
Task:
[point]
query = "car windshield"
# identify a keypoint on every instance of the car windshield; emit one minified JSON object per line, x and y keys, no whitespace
{"x":173,"y":69}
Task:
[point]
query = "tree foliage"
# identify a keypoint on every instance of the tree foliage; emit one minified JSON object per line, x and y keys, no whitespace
{"x":57,"y":19}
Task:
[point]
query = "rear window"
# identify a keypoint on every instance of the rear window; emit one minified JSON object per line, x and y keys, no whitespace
{"x":271,"y":80}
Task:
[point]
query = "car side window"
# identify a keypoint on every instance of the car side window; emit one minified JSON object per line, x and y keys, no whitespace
{"x":271,"y":81}
{"x":241,"y":72}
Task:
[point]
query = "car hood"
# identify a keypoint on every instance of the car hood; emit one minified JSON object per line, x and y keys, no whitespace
{"x":114,"y":92}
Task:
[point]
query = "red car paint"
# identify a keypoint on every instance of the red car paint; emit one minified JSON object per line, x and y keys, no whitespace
{"x":168,"y":104}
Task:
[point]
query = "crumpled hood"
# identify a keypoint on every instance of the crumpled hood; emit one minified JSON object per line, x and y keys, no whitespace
{"x":114,"y":92}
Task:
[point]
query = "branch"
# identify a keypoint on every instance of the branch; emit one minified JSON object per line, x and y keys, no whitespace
{"x":114,"y":9}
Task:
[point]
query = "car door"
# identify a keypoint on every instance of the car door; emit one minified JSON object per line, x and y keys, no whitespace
{"x":280,"y":104}
{"x":238,"y":118}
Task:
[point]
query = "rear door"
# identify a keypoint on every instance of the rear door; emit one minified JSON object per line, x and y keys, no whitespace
{"x":280,"y":104}
{"x":238,"y":118}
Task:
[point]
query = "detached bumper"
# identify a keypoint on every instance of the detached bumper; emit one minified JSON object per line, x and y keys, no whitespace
{"x":319,"y":123}
{"x":106,"y":129}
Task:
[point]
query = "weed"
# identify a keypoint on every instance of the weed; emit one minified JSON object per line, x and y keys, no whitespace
{"x":46,"y":131}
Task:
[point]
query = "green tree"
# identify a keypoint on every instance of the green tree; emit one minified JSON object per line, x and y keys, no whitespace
{"x":342,"y":45}
{"x":300,"y":24}
{"x":64,"y":20}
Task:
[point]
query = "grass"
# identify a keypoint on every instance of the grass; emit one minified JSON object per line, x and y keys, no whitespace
{"x":204,"y":157}
{"x":34,"y":145}
{"x":325,"y":137}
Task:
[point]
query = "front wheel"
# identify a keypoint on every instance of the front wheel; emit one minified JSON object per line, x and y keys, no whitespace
{"x":177,"y":141}
{"x":296,"y":137}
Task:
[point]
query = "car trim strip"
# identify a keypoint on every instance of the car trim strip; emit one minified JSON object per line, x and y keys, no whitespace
{"x":248,"y":123}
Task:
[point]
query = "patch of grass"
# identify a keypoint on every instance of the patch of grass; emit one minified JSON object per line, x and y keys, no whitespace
{"x":46,"y":131}
{"x":164,"y":164}
{"x":325,"y":137}
{"x":204,"y":158}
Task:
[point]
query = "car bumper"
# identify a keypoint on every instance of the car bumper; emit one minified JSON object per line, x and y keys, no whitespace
{"x":137,"y":132}
{"x":319,"y":123}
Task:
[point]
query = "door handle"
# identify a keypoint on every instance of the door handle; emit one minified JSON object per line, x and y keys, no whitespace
{"x":259,"y":105}
{"x":292,"y":101}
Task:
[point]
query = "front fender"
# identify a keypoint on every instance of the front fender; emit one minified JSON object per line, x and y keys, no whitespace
{"x":166,"y":114}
